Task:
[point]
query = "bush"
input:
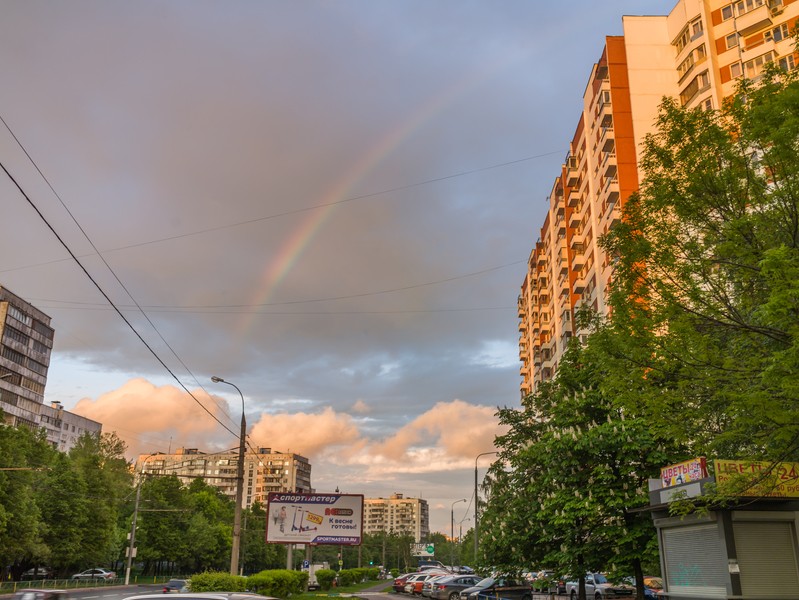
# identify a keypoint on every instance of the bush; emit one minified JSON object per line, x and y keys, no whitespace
{"x":325,"y":577}
{"x":346,"y":577}
{"x":278,"y":582}
{"x":395,"y":573}
{"x":217,"y":582}
{"x":373,"y":574}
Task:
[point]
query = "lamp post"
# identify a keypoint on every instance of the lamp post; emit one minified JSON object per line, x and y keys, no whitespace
{"x":477,"y":504}
{"x":452,"y":531}
{"x":234,"y":551}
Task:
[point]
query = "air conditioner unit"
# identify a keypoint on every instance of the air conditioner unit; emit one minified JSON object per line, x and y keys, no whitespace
{"x":776,"y":10}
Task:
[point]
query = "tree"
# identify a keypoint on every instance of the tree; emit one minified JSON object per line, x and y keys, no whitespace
{"x":572,"y":470}
{"x":99,"y":461}
{"x":706,"y":291}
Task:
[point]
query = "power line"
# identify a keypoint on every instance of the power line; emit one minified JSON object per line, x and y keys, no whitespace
{"x":111,"y":302}
{"x":111,"y":270}
{"x":289,"y":212}
{"x":187,"y":308}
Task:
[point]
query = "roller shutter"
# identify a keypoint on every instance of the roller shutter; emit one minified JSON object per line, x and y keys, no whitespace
{"x":695,"y":561}
{"x":767,"y":558}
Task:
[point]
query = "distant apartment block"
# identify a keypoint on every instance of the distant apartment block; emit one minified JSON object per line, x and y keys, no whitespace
{"x":264,"y":471}
{"x":397,"y":514}
{"x":696,"y":54}
{"x":26,"y":341}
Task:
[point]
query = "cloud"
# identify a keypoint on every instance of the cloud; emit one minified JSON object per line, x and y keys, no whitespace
{"x":362,"y":408}
{"x":450,"y":429}
{"x":150,"y":418}
{"x":309,"y":434}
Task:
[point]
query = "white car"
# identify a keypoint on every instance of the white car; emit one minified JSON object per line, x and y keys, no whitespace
{"x":95,"y":574}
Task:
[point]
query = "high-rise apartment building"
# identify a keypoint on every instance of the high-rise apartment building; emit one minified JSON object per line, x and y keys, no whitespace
{"x":264,"y":471}
{"x":26,"y":340}
{"x":696,"y":54}
{"x":397,"y":514}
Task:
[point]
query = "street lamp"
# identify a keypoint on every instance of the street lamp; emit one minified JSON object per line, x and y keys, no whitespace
{"x":477,"y":503}
{"x":452,"y":531}
{"x":234,"y":551}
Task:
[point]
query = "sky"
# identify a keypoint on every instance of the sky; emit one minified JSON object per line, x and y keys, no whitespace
{"x":328,"y":204}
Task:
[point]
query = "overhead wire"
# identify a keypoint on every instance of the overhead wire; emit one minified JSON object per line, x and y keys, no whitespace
{"x":111,"y":270}
{"x":108,"y":298}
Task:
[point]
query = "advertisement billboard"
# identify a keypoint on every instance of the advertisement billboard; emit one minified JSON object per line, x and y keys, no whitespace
{"x":314,"y":519}
{"x":684,"y":472}
{"x":758,"y":478}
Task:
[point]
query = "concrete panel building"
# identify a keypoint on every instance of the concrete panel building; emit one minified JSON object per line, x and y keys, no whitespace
{"x":697,"y":54}
{"x":264,"y":471}
{"x":397,"y":514}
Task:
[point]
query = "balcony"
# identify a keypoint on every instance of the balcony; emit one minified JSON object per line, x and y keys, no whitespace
{"x":574,"y":197}
{"x":574,"y":220}
{"x":754,"y":20}
{"x":579,"y":284}
{"x":572,"y":172}
{"x":611,"y":168}
{"x":606,"y":134}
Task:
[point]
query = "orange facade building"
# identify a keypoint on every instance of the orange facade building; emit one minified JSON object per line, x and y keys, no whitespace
{"x":696,"y":54}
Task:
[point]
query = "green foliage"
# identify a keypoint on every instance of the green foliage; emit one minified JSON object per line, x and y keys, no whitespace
{"x":347,"y":577}
{"x":280,"y":583}
{"x":395,"y":573}
{"x":325,"y":577}
{"x":710,"y":250}
{"x":211,"y":581}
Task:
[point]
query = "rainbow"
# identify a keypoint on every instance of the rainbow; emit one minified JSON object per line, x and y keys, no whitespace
{"x":277,"y":268}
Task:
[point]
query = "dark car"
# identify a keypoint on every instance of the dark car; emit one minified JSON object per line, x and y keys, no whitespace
{"x":38,"y":573}
{"x":176,"y":585}
{"x":449,"y":588}
{"x":501,"y":586}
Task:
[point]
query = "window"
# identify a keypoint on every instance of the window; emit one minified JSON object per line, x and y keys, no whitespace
{"x":682,"y":40}
{"x":19,"y":315}
{"x":698,"y":83}
{"x":736,"y":70}
{"x":753,"y":68}
{"x":787,"y":63}
{"x":732,"y":40}
{"x":726,"y":12}
{"x":696,"y":28}
{"x":707,"y":104}
{"x":744,"y":6}
{"x":781,"y":33}
{"x":16,"y":335}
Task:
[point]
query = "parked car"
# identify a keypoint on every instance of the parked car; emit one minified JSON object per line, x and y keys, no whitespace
{"x":449,"y":588}
{"x":399,"y":582}
{"x":598,"y":587}
{"x":413,"y":585}
{"x":38,"y":573}
{"x":501,"y":586}
{"x":427,"y":586}
{"x":95,"y":574}
{"x":180,"y":586}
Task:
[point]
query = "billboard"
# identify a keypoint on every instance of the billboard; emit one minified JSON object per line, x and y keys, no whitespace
{"x":684,"y":472}
{"x":755,"y":478}
{"x":314,"y":518}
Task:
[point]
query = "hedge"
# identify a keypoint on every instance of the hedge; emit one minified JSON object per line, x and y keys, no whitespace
{"x":211,"y":581}
{"x":278,"y":582}
{"x":325,"y":577}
